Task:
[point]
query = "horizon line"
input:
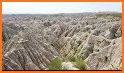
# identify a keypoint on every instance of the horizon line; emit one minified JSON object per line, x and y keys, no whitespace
{"x":69,"y":12}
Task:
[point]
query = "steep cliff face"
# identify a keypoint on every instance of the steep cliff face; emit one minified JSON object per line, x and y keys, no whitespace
{"x":31,"y":42}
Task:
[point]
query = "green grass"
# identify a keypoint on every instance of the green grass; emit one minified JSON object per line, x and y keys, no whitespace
{"x":79,"y":62}
{"x":56,"y":64}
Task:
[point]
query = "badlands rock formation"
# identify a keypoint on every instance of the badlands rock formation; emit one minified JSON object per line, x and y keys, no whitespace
{"x":31,"y":42}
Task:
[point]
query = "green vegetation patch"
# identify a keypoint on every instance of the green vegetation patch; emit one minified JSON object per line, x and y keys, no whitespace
{"x":56,"y":64}
{"x":78,"y":62}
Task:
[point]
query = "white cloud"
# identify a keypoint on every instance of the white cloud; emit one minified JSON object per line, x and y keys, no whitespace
{"x":59,"y":7}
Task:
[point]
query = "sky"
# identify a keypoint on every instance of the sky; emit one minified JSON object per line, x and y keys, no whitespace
{"x":59,"y":7}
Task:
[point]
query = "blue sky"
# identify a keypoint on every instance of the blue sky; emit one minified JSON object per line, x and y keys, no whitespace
{"x":59,"y":7}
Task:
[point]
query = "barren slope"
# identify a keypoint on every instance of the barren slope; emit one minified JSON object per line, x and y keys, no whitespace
{"x":31,"y":42}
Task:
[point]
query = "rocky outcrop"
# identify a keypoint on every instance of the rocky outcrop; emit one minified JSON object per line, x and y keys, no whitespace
{"x":110,"y":57}
{"x":31,"y":42}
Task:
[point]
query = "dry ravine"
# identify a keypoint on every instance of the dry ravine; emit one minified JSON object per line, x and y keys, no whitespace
{"x":80,"y":41}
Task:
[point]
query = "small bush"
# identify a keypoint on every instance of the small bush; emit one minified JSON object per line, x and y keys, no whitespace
{"x":56,"y":64}
{"x":80,"y":64}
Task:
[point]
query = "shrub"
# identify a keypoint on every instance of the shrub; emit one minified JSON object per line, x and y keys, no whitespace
{"x":56,"y":64}
{"x":80,"y":63}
